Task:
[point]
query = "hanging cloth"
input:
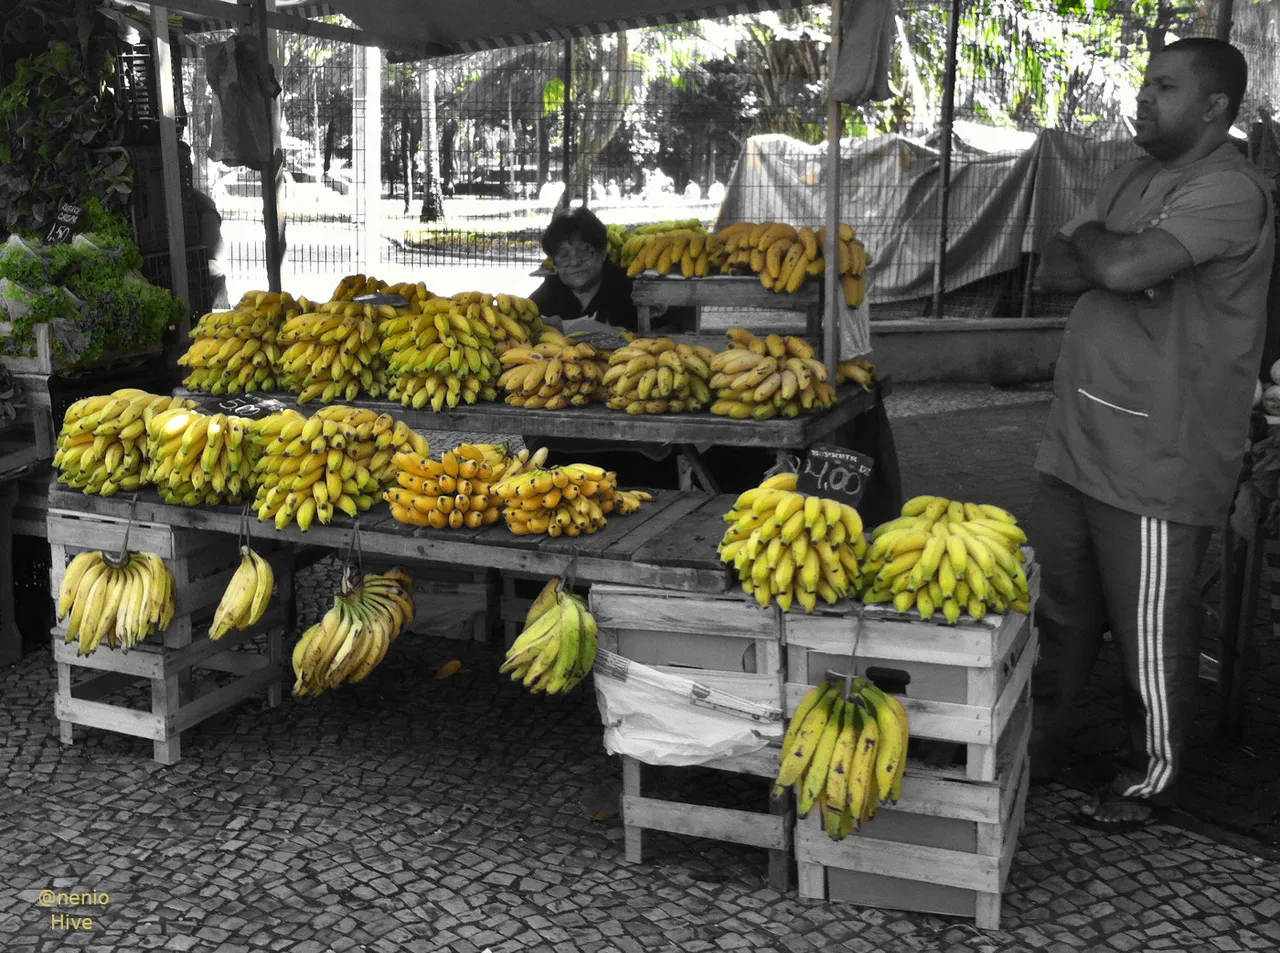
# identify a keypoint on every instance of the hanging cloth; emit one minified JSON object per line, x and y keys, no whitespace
{"x":243,"y":85}
{"x":866,"y":51}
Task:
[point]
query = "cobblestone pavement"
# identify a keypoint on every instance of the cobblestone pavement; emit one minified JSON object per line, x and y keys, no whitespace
{"x":412,"y":814}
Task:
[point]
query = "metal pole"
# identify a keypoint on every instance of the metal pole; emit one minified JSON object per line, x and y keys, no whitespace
{"x":271,"y":171}
{"x":174,"y":197}
{"x":830,"y":322}
{"x":944,"y":180}
{"x":568,"y":120}
{"x":1224,"y":19}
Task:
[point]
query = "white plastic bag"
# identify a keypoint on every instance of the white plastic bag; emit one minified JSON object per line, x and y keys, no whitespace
{"x":660,"y":718}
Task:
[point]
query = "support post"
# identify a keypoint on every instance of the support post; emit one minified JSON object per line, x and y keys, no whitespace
{"x":367,"y":151}
{"x":567,"y":79}
{"x":833,"y":289}
{"x":272,"y":172}
{"x":1225,"y":10}
{"x":173,"y":197}
{"x":944,"y":159}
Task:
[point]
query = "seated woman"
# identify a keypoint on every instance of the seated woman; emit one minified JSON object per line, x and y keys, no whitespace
{"x":586,"y":284}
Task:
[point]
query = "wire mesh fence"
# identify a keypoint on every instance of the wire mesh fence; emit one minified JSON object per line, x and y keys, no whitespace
{"x":718,"y":121}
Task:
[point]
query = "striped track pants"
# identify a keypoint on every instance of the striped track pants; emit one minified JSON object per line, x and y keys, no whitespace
{"x":1103,"y":568}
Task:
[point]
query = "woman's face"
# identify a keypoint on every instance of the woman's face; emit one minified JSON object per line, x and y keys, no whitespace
{"x":577,"y":263}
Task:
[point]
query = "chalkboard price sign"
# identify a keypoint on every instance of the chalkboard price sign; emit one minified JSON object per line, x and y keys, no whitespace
{"x":381,"y":298}
{"x":835,"y":473}
{"x":65,"y":223}
{"x":250,"y":406}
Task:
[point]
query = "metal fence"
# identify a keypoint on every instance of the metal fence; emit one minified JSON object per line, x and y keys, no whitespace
{"x":660,"y":125}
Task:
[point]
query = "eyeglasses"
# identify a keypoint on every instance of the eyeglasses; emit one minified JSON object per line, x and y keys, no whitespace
{"x":575,"y":255}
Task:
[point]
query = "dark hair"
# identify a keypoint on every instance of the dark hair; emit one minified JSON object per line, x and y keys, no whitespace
{"x":578,"y":222}
{"x":1220,"y":66}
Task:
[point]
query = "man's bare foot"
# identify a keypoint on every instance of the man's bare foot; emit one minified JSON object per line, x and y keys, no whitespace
{"x":1117,"y":814}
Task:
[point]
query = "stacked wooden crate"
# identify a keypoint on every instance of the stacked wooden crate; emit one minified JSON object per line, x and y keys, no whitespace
{"x":946,"y":846}
{"x":725,"y":642}
{"x":202,"y":564}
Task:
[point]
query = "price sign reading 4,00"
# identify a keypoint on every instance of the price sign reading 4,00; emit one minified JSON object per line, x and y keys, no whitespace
{"x":835,"y":473}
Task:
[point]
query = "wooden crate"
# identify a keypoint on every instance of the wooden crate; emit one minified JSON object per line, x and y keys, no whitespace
{"x":963,"y":682}
{"x":202,"y":564}
{"x":723,"y":641}
{"x":464,"y":598}
{"x":944,"y":848}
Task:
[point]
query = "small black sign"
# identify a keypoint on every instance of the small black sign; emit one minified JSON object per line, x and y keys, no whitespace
{"x":835,"y":473}
{"x":251,"y":406}
{"x":65,"y":223}
{"x":396,"y":301}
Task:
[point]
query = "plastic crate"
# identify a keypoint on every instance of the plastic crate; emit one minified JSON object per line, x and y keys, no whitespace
{"x":147,"y":201}
{"x":156,"y":269}
{"x":147,"y":373}
{"x":137,"y":94}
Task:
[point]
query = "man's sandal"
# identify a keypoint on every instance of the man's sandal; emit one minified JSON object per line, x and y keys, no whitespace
{"x":1142,"y":812}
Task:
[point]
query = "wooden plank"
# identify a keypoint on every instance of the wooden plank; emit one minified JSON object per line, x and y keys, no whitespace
{"x":142,"y":662}
{"x":597,"y":422}
{"x":194,"y":655}
{"x":723,"y":291}
{"x":125,"y":721}
{"x":695,"y":820}
{"x":231,"y":694}
{"x":627,"y":607}
{"x":869,"y":855}
{"x":693,"y":542}
{"x":91,"y":689}
{"x":899,"y":638}
{"x":632,"y":787}
{"x":959,"y":800}
{"x":668,"y":521}
{"x":940,"y":721}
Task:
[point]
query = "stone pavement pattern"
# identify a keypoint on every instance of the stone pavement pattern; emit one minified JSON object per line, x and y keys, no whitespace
{"x":411,"y":814}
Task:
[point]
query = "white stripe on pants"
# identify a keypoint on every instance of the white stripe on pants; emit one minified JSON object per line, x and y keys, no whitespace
{"x":1152,"y":683}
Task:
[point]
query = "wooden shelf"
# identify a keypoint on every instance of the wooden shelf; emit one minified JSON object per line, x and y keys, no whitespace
{"x":597,"y":422}
{"x":722,"y":291}
{"x":669,"y":544}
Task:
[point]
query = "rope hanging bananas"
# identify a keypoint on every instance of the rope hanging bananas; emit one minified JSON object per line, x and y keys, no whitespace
{"x":245,"y":600}
{"x":353,"y":636}
{"x":658,"y":376}
{"x":455,"y":491}
{"x":847,"y":755}
{"x":235,"y":352}
{"x":122,"y":603}
{"x":558,"y":645}
{"x":765,"y":377}
{"x":790,"y":547}
{"x":946,"y":556}
{"x":102,"y":443}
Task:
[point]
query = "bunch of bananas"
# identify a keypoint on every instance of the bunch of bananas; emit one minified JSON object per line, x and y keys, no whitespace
{"x":353,"y":286}
{"x":572,"y":499}
{"x":858,"y":371}
{"x":784,"y":256}
{"x":246,"y":597}
{"x":339,"y":459}
{"x":764,"y":377}
{"x":558,"y":645}
{"x":352,"y":637}
{"x":102,"y":444}
{"x":658,"y":376}
{"x":685,"y":247}
{"x":788,"y":546}
{"x":122,"y":602}
{"x":845,"y":754}
{"x":332,"y":353}
{"x":950,"y":557}
{"x":554,"y":374}
{"x":447,"y":353}
{"x":454,"y":491}
{"x":235,"y":352}
{"x":196,"y":458}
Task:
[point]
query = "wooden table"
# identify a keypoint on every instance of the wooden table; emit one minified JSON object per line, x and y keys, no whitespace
{"x":669,"y":544}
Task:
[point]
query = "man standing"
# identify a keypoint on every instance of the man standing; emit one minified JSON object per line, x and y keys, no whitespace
{"x":1149,"y":421}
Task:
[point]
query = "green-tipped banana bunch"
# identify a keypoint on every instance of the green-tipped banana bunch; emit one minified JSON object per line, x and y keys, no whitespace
{"x":445,"y":355}
{"x":670,"y":246}
{"x":555,"y":373}
{"x":247,"y":595}
{"x":784,"y":257}
{"x":199,"y":459}
{"x":845,"y":755}
{"x":103,"y":442}
{"x":569,"y":500}
{"x":558,"y":645}
{"x":235,"y":352}
{"x":352,"y":638}
{"x":338,"y":460}
{"x":121,"y":603}
{"x":787,"y":546}
{"x":946,"y":558}
{"x":762,"y":378}
{"x":332,"y":353}
{"x":659,"y":376}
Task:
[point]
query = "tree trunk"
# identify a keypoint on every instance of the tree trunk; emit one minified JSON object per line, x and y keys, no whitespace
{"x":432,"y":188}
{"x":406,"y":157}
{"x":544,"y":149}
{"x":447,"y":169}
{"x":514,"y":156}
